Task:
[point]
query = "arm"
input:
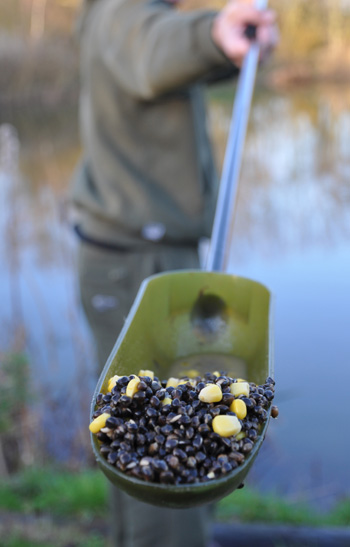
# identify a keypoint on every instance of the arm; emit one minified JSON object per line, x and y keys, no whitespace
{"x":152,"y":49}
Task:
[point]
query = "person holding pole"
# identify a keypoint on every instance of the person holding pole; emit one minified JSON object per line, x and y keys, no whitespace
{"x":145,"y":190}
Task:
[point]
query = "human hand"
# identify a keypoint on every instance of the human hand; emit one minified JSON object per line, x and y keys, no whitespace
{"x":228,"y":30}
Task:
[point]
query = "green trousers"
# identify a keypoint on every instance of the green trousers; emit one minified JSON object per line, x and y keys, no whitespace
{"x":109,"y":281}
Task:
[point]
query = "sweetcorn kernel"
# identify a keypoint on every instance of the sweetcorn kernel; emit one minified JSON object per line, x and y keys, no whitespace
{"x":211,"y":393}
{"x":148,"y":373}
{"x":193,"y":373}
{"x":184,"y":381}
{"x":99,"y":423}
{"x":172,"y":382}
{"x":166,"y":401}
{"x":131,"y":388}
{"x":240,"y":388}
{"x":239,"y":408}
{"x":112,"y":382}
{"x":226,"y":426}
{"x":217,"y":374}
{"x":241,"y":435}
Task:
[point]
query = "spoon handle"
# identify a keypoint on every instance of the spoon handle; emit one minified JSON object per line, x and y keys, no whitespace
{"x":219,"y":247}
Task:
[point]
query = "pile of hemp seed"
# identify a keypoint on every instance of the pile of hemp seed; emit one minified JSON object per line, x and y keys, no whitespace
{"x":180,"y":431}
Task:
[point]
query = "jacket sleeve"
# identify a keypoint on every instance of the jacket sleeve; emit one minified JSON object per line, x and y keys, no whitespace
{"x":152,"y":49}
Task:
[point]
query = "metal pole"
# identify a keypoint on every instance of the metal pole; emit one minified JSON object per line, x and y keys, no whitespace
{"x":225,"y":208}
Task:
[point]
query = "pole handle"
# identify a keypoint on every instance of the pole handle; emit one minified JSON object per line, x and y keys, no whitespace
{"x":225,"y":208}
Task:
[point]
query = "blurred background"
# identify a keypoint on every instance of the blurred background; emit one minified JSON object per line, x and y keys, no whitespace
{"x":291,"y":232}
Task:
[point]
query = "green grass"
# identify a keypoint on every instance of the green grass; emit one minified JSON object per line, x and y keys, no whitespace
{"x":57,"y":536}
{"x":18,"y":540}
{"x":84,"y":495}
{"x":58,"y":492}
{"x":249,"y":506}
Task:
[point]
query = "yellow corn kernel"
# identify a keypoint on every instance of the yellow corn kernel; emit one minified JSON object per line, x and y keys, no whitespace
{"x":112,"y":382}
{"x":148,"y":373}
{"x":217,"y":374}
{"x":182,"y":382}
{"x":226,"y":426}
{"x":99,"y":423}
{"x":240,"y":388}
{"x":211,"y":393}
{"x":193,"y":373}
{"x":240,"y":380}
{"x":172,"y":382}
{"x":166,"y":401}
{"x":131,"y":388}
{"x":240,"y":436}
{"x":239,"y":408}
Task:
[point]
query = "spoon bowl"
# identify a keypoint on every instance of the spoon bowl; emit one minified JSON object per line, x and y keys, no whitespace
{"x":184,"y":320}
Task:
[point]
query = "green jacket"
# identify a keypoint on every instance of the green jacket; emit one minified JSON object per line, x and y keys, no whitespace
{"x":147,"y":156}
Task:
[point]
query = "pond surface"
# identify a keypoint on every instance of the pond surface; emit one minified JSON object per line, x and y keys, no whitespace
{"x":291,"y":232}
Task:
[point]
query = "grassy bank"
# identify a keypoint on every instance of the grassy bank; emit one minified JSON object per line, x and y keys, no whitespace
{"x":49,"y":506}
{"x":84,"y":495}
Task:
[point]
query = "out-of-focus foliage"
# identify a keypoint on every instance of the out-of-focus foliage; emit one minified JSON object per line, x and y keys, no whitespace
{"x":305,"y":24}
{"x":35,"y":18}
{"x":84,"y":494}
{"x":14,"y":399}
{"x":13,"y":389}
{"x":310,"y":25}
{"x":44,"y":72}
{"x":39,"y":57}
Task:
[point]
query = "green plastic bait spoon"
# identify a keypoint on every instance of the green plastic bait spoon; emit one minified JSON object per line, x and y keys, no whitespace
{"x":206,"y":320}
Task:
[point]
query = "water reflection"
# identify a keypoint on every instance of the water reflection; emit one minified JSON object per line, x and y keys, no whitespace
{"x":291,"y":232}
{"x":294,"y":192}
{"x":38,"y":292}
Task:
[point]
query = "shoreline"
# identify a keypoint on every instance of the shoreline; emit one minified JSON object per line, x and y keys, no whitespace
{"x":50,"y":99}
{"x":37,"y":76}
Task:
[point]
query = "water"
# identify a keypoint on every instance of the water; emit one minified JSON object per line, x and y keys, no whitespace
{"x":40,"y":314}
{"x":291,"y":232}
